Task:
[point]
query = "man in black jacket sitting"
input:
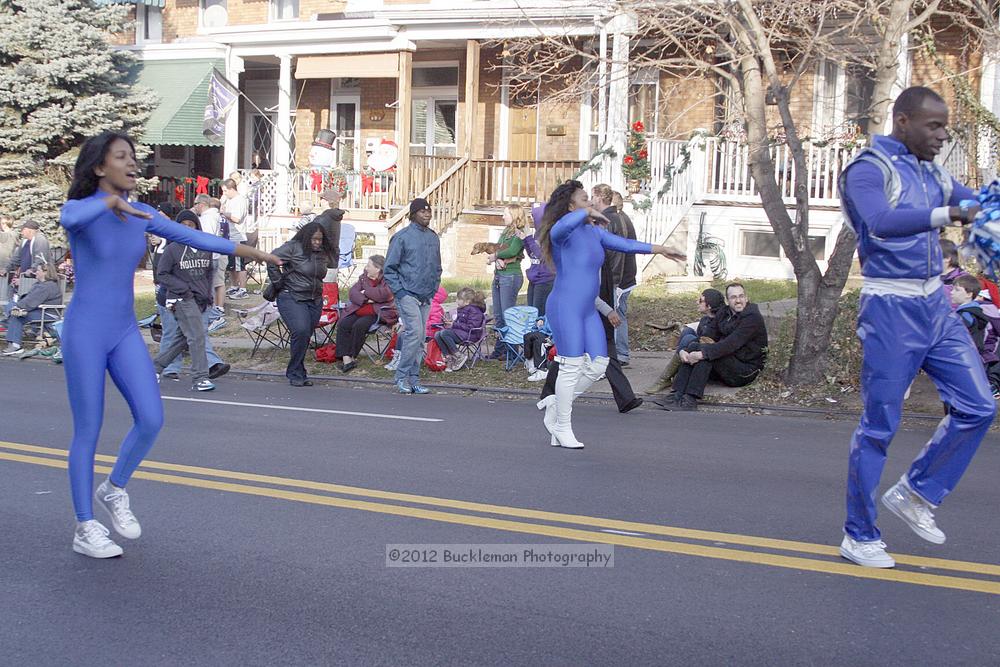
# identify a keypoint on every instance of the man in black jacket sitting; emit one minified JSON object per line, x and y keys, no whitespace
{"x":735,"y":360}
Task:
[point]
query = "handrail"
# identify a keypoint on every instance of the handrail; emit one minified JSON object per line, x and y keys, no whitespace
{"x":446,"y":205}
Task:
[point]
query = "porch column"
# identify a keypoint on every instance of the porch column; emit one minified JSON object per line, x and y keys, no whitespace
{"x":618,"y":120}
{"x":404,"y":94}
{"x":231,"y":147}
{"x":282,"y":142}
{"x":471,"y":98}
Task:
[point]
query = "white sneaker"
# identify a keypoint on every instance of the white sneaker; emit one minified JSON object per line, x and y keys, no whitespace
{"x":393,"y":363}
{"x":460,"y":360}
{"x":11,"y":350}
{"x":91,"y":539}
{"x":866,"y":554}
{"x":216,"y":324}
{"x":913,"y":510}
{"x":114,"y":501}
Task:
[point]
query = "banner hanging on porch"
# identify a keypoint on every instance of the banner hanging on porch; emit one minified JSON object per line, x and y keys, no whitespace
{"x":222,"y":96}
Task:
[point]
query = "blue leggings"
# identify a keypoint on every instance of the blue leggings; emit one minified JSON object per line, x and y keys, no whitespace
{"x":88,"y":351}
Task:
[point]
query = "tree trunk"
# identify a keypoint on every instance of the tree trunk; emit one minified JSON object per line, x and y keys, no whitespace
{"x":887,"y":63}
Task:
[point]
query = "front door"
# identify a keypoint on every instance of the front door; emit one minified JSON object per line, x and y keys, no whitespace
{"x":346,"y":122}
{"x":523,"y":124}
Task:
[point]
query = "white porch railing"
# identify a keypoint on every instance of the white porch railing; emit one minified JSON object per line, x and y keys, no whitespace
{"x":673,"y":165}
{"x":371,"y":191}
{"x":727,"y":175}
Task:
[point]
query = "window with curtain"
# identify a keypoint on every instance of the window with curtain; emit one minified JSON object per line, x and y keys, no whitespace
{"x":284,"y":10}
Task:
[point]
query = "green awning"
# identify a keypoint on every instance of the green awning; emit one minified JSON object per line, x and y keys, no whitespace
{"x":182,"y":86}
{"x":150,"y":3}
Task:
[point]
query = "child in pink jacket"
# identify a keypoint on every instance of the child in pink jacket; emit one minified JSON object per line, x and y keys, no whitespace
{"x":436,"y":315}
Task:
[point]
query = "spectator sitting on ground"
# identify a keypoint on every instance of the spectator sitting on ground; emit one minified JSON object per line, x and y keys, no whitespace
{"x":536,"y":346}
{"x":709,"y":303}
{"x":370,"y":300}
{"x":470,"y":318}
{"x":964,"y":293}
{"x":736,"y":359}
{"x":26,"y":309}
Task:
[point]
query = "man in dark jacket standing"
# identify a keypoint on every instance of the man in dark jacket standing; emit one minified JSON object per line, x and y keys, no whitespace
{"x":736,"y":359}
{"x":413,"y":271}
{"x":630,"y":271}
{"x":185,"y":278}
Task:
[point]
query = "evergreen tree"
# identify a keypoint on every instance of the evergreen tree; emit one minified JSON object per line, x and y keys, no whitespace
{"x":60,"y":83}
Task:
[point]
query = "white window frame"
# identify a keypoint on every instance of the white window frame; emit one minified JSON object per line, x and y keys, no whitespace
{"x":347,"y":96}
{"x":147,"y":17}
{"x":434,"y":94}
{"x":201,"y":13}
{"x":647,"y":76}
{"x":272,"y":11}
{"x":749,"y":229}
{"x":821,"y":105}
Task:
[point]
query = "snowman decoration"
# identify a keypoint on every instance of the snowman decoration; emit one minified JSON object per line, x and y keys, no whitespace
{"x":322,"y":156}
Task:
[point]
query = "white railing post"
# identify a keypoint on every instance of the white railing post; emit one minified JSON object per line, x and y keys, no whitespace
{"x":699,"y":145}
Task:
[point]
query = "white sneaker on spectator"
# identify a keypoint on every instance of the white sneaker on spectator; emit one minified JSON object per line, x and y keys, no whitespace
{"x":460,"y":360}
{"x":913,"y":510}
{"x":538,"y":376}
{"x":239,"y":295}
{"x":216,"y":324}
{"x":867,"y":554}
{"x":393,"y":363}
{"x":114,"y":501}
{"x":12,"y":349}
{"x":91,"y":539}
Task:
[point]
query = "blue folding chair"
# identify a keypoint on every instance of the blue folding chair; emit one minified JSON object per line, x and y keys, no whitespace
{"x":518,"y":321}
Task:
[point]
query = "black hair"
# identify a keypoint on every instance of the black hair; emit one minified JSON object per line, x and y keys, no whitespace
{"x":740,"y":285}
{"x":950,"y":252}
{"x":92,"y":155}
{"x":304,"y":238}
{"x":912,"y":99}
{"x":169,"y":209}
{"x":555,"y":208}
{"x":970,"y":284}
{"x":713,"y":299}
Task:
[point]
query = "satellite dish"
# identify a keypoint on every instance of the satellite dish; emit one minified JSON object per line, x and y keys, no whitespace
{"x":215,"y":16}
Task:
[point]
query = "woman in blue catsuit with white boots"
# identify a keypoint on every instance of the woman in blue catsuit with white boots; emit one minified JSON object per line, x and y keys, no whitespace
{"x":107,"y":235}
{"x":575,"y":247}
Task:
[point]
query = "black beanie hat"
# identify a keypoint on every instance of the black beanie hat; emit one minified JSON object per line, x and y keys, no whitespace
{"x":189,"y":215}
{"x":713,"y":298}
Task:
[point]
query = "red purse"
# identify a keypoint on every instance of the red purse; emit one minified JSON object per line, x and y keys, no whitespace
{"x":327,"y":354}
{"x":434,"y":360}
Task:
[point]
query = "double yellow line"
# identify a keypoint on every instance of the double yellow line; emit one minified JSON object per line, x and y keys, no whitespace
{"x":750,"y":549}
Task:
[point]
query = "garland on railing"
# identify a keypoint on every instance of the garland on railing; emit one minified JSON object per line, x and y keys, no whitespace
{"x":594,"y":163}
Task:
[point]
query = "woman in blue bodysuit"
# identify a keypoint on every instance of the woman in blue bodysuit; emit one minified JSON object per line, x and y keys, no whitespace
{"x":575,"y":247}
{"x":107,"y":235}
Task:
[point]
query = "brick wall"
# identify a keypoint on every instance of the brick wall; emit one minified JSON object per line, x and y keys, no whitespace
{"x":180,"y":19}
{"x":247,"y":12}
{"x":127,"y":36}
{"x":313,"y":114}
{"x":375,"y":94}
{"x":467,"y":235}
{"x":686,"y":104}
{"x":951,"y":43}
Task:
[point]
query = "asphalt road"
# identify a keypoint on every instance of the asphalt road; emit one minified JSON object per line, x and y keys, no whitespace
{"x":265,"y":532}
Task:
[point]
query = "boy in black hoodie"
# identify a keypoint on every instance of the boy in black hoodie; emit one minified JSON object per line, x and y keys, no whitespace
{"x":185,"y":278}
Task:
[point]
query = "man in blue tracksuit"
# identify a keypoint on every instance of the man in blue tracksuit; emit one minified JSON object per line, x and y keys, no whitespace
{"x":896,"y":199}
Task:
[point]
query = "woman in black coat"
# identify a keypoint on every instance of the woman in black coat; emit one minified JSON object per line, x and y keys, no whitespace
{"x":300,"y":298}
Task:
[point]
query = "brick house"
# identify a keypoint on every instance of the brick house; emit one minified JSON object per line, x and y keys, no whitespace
{"x":426,"y":76}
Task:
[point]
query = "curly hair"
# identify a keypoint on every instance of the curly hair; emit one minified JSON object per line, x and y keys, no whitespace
{"x":92,"y":155}
{"x":473,"y":296}
{"x":304,"y":238}
{"x":557,"y":207}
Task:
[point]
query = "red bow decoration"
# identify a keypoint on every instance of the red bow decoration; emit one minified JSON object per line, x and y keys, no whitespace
{"x":316,"y":178}
{"x":179,"y":194}
{"x":201,"y":186}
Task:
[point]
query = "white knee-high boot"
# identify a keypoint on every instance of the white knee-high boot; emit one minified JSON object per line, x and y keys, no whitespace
{"x":570,"y":373}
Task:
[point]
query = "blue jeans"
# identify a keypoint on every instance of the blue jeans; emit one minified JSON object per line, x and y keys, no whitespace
{"x":448,"y":341}
{"x":621,"y":332}
{"x":15,"y":325}
{"x":301,"y":317}
{"x":171,"y":332}
{"x":413,"y":315}
{"x":505,"y":289}
{"x":538,"y":294}
{"x":688,"y":336}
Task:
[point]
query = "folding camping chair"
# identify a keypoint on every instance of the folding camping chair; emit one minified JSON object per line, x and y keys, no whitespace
{"x":473,"y":348}
{"x":379,"y":337}
{"x":519,"y":321}
{"x":330,"y":315}
{"x":346,"y":266}
{"x":263,"y":324}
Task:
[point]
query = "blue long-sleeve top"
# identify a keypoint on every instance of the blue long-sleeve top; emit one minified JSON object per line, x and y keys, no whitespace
{"x":106,"y":251}
{"x":900,"y":242}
